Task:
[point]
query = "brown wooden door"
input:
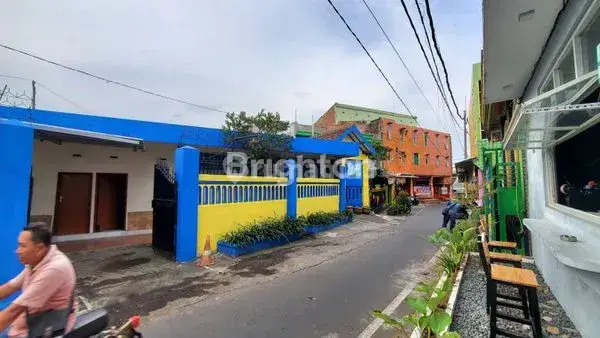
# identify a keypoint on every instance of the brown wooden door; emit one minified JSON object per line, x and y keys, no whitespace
{"x":73,"y":202}
{"x":110,"y":202}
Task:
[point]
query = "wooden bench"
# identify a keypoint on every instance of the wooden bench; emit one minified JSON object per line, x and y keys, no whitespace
{"x":523,"y":280}
{"x":505,"y":257}
{"x":511,"y":275}
{"x":483,"y":229}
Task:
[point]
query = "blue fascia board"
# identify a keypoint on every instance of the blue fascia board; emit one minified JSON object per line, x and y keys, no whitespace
{"x":15,"y":123}
{"x":162,"y":132}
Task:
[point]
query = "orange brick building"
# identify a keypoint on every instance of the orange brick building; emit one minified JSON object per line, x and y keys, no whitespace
{"x":420,"y":160}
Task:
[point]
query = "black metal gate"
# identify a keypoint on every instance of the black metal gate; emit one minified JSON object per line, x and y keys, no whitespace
{"x":164,"y":208}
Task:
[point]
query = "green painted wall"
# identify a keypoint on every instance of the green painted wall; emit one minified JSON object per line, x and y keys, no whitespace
{"x":475,"y":114}
{"x":344,"y":112}
{"x":302,"y":133}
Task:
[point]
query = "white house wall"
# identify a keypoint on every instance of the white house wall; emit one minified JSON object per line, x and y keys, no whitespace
{"x":50,"y":158}
{"x":578,"y":291}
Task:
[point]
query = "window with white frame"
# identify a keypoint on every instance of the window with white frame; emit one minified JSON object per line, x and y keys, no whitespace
{"x":571,"y":97}
{"x":577,"y":167}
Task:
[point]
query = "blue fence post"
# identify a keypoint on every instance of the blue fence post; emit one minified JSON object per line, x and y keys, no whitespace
{"x":343,"y":187}
{"x":292,"y":183}
{"x":16,"y":150}
{"x":187,"y":168}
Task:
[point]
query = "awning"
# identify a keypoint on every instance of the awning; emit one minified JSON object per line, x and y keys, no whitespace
{"x":465,"y":165}
{"x":60,"y":134}
{"x":552,"y":118}
{"x":514,"y":35}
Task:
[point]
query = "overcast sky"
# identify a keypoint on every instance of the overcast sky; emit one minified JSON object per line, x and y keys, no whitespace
{"x":280,"y":55}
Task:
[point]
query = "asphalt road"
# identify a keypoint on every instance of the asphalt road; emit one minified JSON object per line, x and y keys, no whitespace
{"x":329,"y":300}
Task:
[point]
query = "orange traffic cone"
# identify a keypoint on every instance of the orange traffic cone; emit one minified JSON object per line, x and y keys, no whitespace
{"x":207,"y":258}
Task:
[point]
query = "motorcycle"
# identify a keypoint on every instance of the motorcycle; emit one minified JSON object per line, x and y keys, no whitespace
{"x":93,"y":324}
{"x":414,"y":201}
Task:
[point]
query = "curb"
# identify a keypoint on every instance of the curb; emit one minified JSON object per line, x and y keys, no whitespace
{"x":453,"y":294}
{"x":456,"y":287}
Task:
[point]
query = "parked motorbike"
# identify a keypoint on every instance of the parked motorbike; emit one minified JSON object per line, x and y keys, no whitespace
{"x":94,"y":323}
{"x":414,"y":201}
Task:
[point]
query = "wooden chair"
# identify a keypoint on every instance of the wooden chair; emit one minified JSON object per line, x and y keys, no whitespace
{"x":483,"y":229}
{"x":523,"y":280}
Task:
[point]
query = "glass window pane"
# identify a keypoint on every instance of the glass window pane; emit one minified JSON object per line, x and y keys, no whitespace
{"x":590,"y":39}
{"x":566,"y":69}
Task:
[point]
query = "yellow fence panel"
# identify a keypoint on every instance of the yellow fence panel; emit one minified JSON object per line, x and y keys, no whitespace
{"x":217,"y":219}
{"x":226,"y":203}
{"x":317,"y":195}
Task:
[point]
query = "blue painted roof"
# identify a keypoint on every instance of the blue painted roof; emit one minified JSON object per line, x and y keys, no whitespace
{"x":353,"y":130}
{"x":163,"y":132}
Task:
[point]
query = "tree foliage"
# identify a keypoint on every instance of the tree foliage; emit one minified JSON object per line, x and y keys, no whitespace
{"x":381,"y":152}
{"x":259,"y":135}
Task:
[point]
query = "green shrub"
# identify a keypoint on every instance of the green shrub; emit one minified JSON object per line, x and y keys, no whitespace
{"x":455,"y":244}
{"x":400,"y":205}
{"x":427,"y":315}
{"x":324,"y":218}
{"x":272,"y":228}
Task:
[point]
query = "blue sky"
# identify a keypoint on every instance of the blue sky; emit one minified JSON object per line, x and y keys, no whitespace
{"x":235,"y":55}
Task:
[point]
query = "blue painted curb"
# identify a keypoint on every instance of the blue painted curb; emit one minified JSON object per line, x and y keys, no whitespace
{"x":235,"y":251}
{"x":320,"y":228}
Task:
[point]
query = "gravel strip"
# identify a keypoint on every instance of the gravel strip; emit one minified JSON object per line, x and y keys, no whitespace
{"x":471,"y":320}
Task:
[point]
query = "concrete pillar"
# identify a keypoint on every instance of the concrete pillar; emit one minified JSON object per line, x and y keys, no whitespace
{"x":431,"y":187}
{"x":410,"y":186}
{"x":366,"y":195}
{"x":342,"y":175}
{"x":187,"y":168}
{"x":292,"y":184}
{"x":16,"y":151}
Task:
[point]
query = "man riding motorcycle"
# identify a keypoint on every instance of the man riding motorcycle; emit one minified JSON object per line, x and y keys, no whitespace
{"x":46,"y":304}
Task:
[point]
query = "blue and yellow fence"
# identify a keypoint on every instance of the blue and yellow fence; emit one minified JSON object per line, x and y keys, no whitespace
{"x":317,"y":194}
{"x":226,"y":203}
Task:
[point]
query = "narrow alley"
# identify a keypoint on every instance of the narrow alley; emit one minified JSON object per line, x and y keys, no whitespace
{"x":333,"y":298}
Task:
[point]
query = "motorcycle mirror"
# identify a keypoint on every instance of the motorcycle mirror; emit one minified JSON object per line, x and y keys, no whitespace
{"x":135,"y":321}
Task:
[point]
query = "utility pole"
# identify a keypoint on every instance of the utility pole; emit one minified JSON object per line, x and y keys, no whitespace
{"x":465,"y":127}
{"x":3,"y":90}
{"x":33,"y":95}
{"x":465,"y":131}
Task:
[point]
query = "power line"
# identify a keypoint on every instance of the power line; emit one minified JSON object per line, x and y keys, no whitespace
{"x":405,"y":66}
{"x":439,"y":53}
{"x":379,"y":69}
{"x":62,"y":97}
{"x":46,"y":88}
{"x":437,"y":71}
{"x":439,"y":85}
{"x":111,"y":81}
